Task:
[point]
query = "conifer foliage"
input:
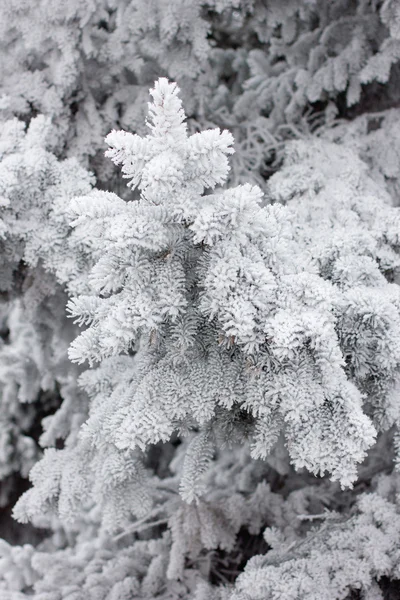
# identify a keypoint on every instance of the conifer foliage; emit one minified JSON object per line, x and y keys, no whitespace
{"x":200,"y":370}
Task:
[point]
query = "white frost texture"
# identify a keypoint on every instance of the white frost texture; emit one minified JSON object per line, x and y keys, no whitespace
{"x":200,"y":365}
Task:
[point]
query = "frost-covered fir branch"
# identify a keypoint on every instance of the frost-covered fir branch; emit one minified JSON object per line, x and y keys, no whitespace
{"x":236,"y":318}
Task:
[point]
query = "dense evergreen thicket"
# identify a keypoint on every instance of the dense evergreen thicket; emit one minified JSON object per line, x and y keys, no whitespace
{"x":200,"y":370}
